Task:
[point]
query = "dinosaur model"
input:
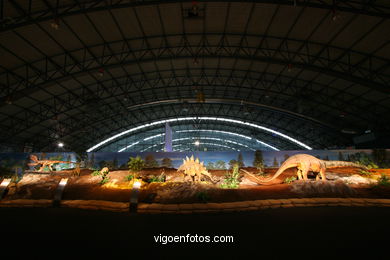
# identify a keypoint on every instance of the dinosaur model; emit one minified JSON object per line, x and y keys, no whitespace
{"x":44,"y":163}
{"x":194,"y":169}
{"x":308,"y":163}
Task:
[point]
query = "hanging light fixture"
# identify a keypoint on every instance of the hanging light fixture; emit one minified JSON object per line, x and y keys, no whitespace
{"x":55,"y":24}
{"x":8,"y":101}
{"x":289,"y":67}
{"x":101,"y":72}
{"x":194,"y":11}
{"x":335,"y":15}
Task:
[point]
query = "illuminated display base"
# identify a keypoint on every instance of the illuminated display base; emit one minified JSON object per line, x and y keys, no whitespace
{"x":198,"y":177}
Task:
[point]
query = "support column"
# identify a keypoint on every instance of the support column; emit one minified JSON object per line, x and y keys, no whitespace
{"x":168,"y":138}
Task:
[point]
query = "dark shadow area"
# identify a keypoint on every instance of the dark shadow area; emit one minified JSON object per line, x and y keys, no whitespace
{"x":285,"y":233}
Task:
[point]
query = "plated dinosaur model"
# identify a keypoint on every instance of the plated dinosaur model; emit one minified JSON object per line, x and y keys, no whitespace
{"x":308,"y":163}
{"x":194,"y":169}
{"x":44,"y":163}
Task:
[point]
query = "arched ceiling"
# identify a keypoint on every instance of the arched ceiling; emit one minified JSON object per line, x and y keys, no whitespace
{"x":82,"y":71}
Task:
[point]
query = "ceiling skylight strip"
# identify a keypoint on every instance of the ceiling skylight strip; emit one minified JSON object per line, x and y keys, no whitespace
{"x":198,"y":118}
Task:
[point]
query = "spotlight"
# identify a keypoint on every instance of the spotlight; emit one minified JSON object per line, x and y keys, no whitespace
{"x":63,"y":182}
{"x":3,"y":186}
{"x":60,"y":144}
{"x":134,"y":197}
{"x":5,"y":182}
{"x":59,"y":191}
{"x":197,"y":143}
{"x":137,"y":185}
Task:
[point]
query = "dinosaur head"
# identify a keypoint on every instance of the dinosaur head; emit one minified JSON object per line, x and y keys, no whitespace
{"x":34,"y":158}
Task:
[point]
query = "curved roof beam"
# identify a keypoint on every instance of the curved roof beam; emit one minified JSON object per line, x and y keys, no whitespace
{"x":199,"y":118}
{"x":302,"y":130}
{"x":48,"y":109}
{"x":69,"y":9}
{"x":214,"y":139}
{"x":199,"y":130}
{"x":200,"y":138}
{"x":177,"y":145}
{"x":346,"y":70}
{"x":158,"y":38}
{"x":237,"y":103}
{"x":74,"y":126}
{"x":210,"y":144}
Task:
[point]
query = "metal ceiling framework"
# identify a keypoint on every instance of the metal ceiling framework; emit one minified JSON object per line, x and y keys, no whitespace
{"x":81,"y":71}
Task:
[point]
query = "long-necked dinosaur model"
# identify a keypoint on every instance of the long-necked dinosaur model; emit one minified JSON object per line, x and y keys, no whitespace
{"x":44,"y":163}
{"x":194,"y":169}
{"x":308,"y":163}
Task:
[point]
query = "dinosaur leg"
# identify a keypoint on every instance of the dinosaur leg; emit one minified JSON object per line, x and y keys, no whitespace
{"x":322,"y":173}
{"x":299,"y":173}
{"x":304,"y":174}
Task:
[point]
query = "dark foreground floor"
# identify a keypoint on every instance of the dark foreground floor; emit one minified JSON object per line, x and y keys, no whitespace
{"x":292,"y":233}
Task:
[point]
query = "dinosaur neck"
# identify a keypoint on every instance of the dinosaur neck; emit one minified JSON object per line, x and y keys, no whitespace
{"x":342,"y":163}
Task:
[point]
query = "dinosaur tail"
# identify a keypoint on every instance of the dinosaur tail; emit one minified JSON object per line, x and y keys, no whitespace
{"x":280,"y":171}
{"x":211,"y":178}
{"x":343,"y":163}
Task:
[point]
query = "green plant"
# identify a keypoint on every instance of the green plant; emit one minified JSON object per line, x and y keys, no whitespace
{"x":136,"y":164}
{"x":160,"y":178}
{"x":258,"y":162}
{"x":203,"y":196}
{"x":365,"y":173}
{"x":129,"y":177}
{"x":103,"y":175}
{"x":231,"y":179}
{"x":365,"y":160}
{"x":95,"y":173}
{"x":104,"y":180}
{"x":289,"y":180}
{"x":372,"y":165}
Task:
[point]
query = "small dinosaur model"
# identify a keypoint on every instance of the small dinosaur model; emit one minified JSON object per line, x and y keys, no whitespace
{"x":194,"y":169}
{"x":44,"y":163}
{"x":308,"y":163}
{"x":105,"y":170}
